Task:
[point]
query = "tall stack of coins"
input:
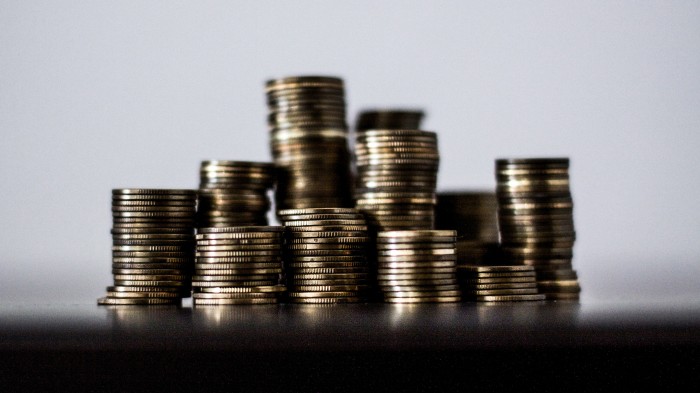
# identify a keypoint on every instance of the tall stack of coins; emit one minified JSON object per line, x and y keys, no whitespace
{"x":396,"y":178}
{"x":535,"y":216}
{"x":153,"y":246}
{"x":387,"y":119}
{"x":508,"y":283}
{"x":326,"y":255}
{"x":309,"y":142}
{"x":417,"y":266}
{"x":234,"y":193}
{"x":474,"y":215}
{"x":238,"y":265}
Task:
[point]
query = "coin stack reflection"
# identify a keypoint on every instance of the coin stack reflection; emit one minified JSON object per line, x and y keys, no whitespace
{"x":386,"y":119}
{"x":309,"y":142}
{"x":238,"y":265}
{"x":535,"y":214}
{"x":474,"y":215}
{"x":234,"y":193}
{"x":396,"y":178}
{"x":417,"y":266}
{"x":326,"y":255}
{"x":506,"y":283}
{"x":153,"y":246}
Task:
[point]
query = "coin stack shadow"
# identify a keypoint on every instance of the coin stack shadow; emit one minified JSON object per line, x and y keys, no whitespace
{"x":506,"y":283}
{"x":238,"y":265}
{"x":535,"y":217}
{"x":386,"y":119}
{"x":234,"y":193}
{"x":417,"y":266}
{"x":153,"y":246}
{"x":309,"y":142}
{"x":396,"y":178}
{"x":474,"y":215}
{"x":326,"y":255}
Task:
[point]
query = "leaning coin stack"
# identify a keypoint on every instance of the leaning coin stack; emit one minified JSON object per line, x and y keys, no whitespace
{"x":396,"y":178}
{"x":153,"y":246}
{"x":234,"y":193}
{"x":535,"y":216}
{"x":238,"y":265}
{"x":326,"y":255}
{"x":509,"y":283}
{"x":387,"y":119}
{"x":417,"y":266}
{"x":309,"y":142}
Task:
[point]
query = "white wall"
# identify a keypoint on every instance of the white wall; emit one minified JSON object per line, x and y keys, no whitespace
{"x":96,"y":95}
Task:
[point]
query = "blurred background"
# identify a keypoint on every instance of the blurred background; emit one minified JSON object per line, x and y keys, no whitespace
{"x":96,"y":95}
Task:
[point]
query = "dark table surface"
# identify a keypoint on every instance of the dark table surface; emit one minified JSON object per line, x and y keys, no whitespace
{"x":452,"y":347}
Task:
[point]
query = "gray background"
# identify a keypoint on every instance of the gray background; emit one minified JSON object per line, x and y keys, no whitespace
{"x":96,"y":95}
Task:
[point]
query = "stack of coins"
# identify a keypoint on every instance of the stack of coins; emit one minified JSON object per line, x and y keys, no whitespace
{"x":153,"y":246}
{"x":535,"y":217}
{"x":238,"y":265}
{"x":417,"y":266}
{"x":326,"y":255}
{"x":234,"y":193}
{"x":507,"y":283}
{"x":474,"y":215}
{"x":396,"y":178}
{"x":387,"y":119}
{"x":309,"y":142}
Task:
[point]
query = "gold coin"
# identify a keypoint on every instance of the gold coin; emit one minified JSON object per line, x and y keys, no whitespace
{"x":510,"y":298}
{"x":222,"y":302}
{"x":108,"y":301}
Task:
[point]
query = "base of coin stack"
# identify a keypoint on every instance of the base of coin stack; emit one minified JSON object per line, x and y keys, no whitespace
{"x":238,"y":266}
{"x":417,"y":266}
{"x":153,"y":246}
{"x":506,"y":283}
{"x":326,"y":255}
{"x":535,"y":214}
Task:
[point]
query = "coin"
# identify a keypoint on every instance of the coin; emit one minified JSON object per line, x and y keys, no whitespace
{"x":221,"y":302}
{"x":438,"y":299}
{"x":510,"y":298}
{"x":136,"y":301}
{"x":246,"y":289}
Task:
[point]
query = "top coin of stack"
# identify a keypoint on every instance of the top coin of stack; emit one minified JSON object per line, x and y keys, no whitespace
{"x":309,"y":142}
{"x":417,"y":266}
{"x":153,"y":246}
{"x":234,"y":193}
{"x":535,"y":215}
{"x":396,"y":178}
{"x":326,"y":255}
{"x":474,"y":215}
{"x":386,"y":119}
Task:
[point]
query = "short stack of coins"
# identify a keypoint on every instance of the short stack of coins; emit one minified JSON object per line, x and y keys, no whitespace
{"x":387,"y":119}
{"x":238,"y":265}
{"x":474,"y":215}
{"x":309,"y":142}
{"x":507,"y":283}
{"x":535,"y":216}
{"x":326,"y":255}
{"x":234,"y":193}
{"x":396,"y":178}
{"x":417,"y":266}
{"x":153,"y":246}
